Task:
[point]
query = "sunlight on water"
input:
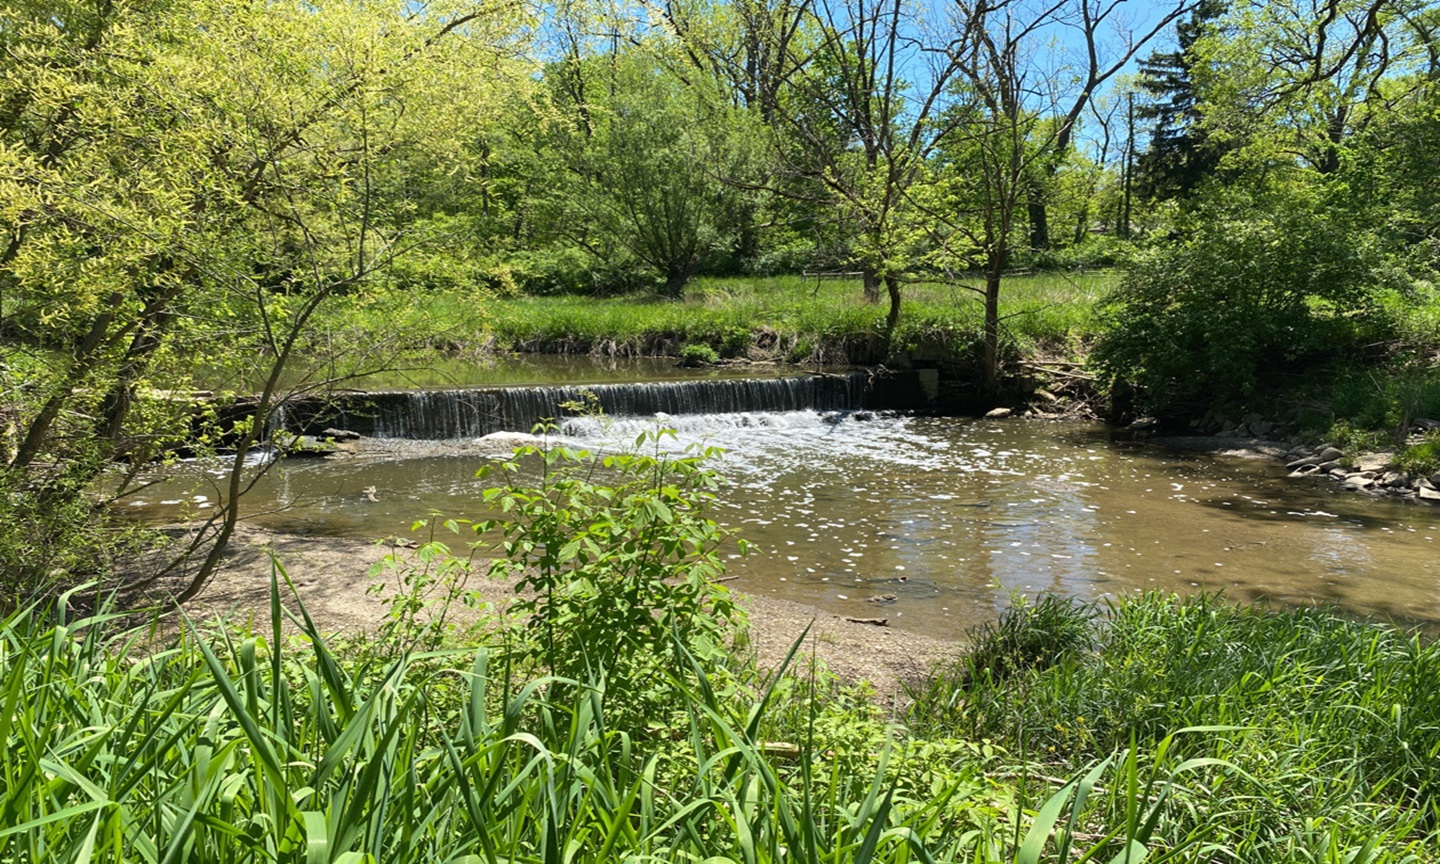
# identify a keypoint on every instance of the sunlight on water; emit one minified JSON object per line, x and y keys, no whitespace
{"x":932,"y":522}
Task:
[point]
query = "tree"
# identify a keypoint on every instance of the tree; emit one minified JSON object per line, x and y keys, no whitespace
{"x":856,"y":122}
{"x":1181,"y":153}
{"x":182,"y":179}
{"x":633,"y":153}
{"x":1292,"y":81}
{"x":1069,"y":87}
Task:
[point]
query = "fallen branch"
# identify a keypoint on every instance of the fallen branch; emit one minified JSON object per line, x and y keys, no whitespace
{"x":876,"y":622}
{"x":1061,"y":372}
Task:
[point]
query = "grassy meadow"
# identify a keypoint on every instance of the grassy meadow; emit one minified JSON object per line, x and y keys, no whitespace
{"x":782,"y":316}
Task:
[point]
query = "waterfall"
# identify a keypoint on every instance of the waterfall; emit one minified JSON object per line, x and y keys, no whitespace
{"x":471,"y":413}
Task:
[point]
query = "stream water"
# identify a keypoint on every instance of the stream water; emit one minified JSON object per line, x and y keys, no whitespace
{"x":934,"y":523}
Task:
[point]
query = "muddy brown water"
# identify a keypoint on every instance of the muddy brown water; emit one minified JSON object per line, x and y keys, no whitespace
{"x":935,"y":523}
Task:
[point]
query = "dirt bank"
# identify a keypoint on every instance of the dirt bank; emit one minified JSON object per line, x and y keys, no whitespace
{"x":333,"y":578}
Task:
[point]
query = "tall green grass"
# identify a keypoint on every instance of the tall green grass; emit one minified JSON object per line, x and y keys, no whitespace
{"x":234,"y":746}
{"x":783,"y":315}
{"x":1323,"y":721}
{"x":238,"y":747}
{"x":1045,"y":306}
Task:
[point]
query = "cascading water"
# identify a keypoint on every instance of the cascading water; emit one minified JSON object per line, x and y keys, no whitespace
{"x":471,"y":413}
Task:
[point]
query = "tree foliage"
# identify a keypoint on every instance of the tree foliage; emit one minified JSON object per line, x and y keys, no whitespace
{"x":1266,"y":280}
{"x":179,"y":175}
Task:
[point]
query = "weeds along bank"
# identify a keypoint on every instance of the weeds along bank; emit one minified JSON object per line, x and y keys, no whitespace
{"x":777,"y":318}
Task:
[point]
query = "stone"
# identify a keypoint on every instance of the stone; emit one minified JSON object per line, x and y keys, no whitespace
{"x":1331,"y":465}
{"x":1427,"y":424}
{"x":1394,"y":478}
{"x":1305,"y":471}
{"x":1329,"y":453}
{"x":1304,"y":462}
{"x":1143,"y":424}
{"x":1429,"y":494}
{"x":998,"y":413}
{"x":340,"y":435}
{"x":1261,"y":428}
{"x":1373,"y":461}
{"x":304,"y":446}
{"x":1359,"y":480}
{"x":1338,"y":473}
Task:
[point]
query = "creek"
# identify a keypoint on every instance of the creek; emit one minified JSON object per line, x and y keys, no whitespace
{"x":932,"y":523}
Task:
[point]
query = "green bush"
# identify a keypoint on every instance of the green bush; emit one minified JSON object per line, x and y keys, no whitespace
{"x":1029,"y":636}
{"x":1318,"y":718}
{"x":1422,"y":458}
{"x":698,"y":355}
{"x":1260,"y":284}
{"x":561,"y":270}
{"x":1370,"y":406}
{"x":615,"y":559}
{"x":238,"y":747}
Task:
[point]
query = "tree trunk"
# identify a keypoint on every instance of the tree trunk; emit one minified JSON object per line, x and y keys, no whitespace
{"x":1039,"y":224}
{"x":872,"y":285}
{"x":892,"y":285}
{"x":992,"y":333}
{"x":674,"y":287}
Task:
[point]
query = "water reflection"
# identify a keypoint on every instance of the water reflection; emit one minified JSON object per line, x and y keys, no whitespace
{"x":932,"y":523}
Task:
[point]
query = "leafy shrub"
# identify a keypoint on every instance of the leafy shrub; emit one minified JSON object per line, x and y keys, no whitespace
{"x":1372,"y":407}
{"x":698,"y":355}
{"x":445,"y":271}
{"x":1422,"y":458}
{"x":736,"y":341}
{"x":571,"y":270}
{"x":1106,"y":250}
{"x":615,"y":558}
{"x":1030,"y":636}
{"x":1306,"y":718}
{"x":1261,"y":283}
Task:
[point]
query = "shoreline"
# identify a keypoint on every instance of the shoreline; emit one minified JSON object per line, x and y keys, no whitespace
{"x":332,"y":576}
{"x":1371,"y":472}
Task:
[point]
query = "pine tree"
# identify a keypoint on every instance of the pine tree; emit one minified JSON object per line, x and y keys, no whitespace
{"x":1180,"y":154}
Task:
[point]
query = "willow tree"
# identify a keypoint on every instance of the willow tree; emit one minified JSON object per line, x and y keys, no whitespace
{"x":185,"y":182}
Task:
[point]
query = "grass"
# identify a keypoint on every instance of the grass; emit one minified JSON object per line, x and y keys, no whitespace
{"x":781,"y":316}
{"x":718,"y":311}
{"x":1316,"y":720}
{"x":1316,"y":743}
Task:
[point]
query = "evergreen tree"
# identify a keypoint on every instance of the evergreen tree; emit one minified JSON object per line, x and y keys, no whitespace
{"x":1181,"y":154}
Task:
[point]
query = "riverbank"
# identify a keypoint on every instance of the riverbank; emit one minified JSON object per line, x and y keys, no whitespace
{"x":784,"y":318}
{"x":334,"y":577}
{"x":1154,"y":727}
{"x":1381,"y":472}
